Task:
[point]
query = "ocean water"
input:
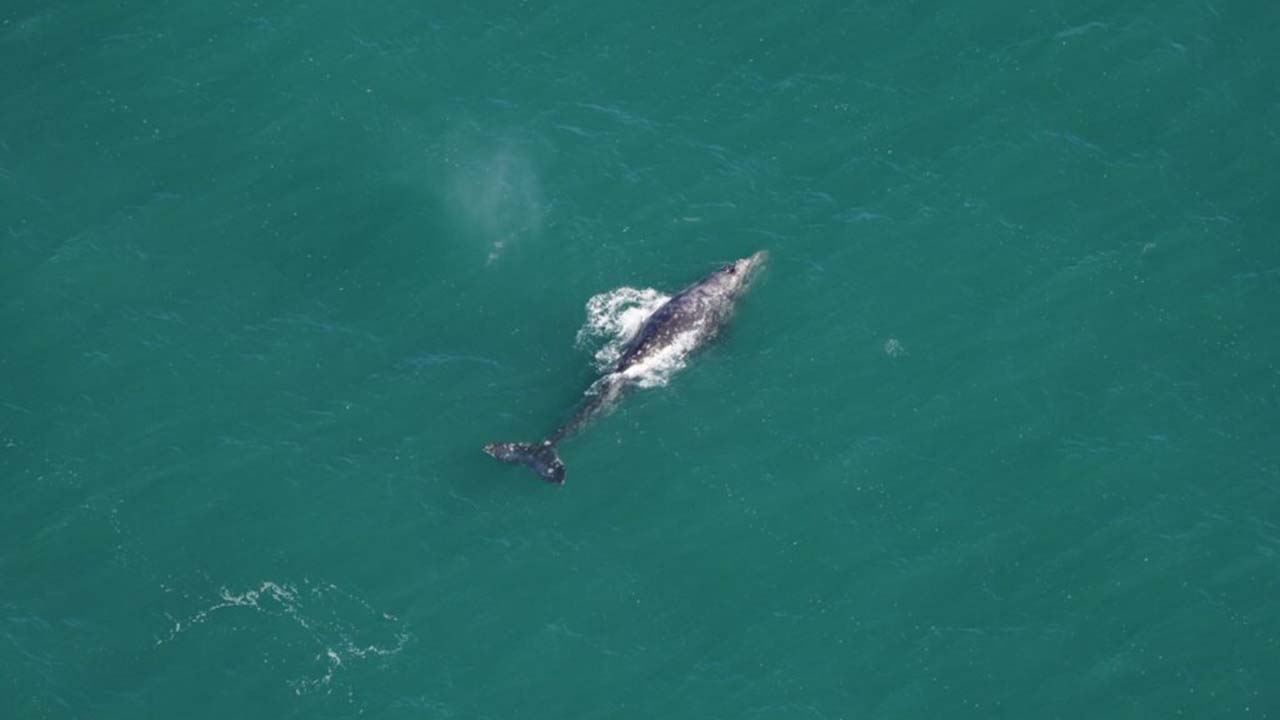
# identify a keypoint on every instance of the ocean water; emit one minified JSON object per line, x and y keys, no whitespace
{"x":995,"y":434}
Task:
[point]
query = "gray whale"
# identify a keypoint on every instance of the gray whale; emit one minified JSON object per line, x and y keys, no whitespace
{"x":690,"y":319}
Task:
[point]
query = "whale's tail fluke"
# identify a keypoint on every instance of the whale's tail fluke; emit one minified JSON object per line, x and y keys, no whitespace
{"x":541,"y":457}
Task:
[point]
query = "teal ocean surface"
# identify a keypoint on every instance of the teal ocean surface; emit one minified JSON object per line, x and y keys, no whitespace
{"x":995,"y":435}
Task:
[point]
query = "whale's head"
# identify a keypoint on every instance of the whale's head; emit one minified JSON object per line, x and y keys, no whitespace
{"x":735,"y":278}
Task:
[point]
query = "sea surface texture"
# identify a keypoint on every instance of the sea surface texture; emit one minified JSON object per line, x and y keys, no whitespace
{"x":996,"y":434}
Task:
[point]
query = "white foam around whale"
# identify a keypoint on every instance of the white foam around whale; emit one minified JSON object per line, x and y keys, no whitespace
{"x":613,"y":318}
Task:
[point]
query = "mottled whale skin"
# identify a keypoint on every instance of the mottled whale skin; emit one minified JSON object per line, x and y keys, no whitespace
{"x":690,"y":319}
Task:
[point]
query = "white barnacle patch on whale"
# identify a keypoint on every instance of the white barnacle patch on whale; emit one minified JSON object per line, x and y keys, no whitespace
{"x":656,"y":369}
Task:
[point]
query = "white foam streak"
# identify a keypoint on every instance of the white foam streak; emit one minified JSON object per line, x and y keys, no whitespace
{"x":341,"y":629}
